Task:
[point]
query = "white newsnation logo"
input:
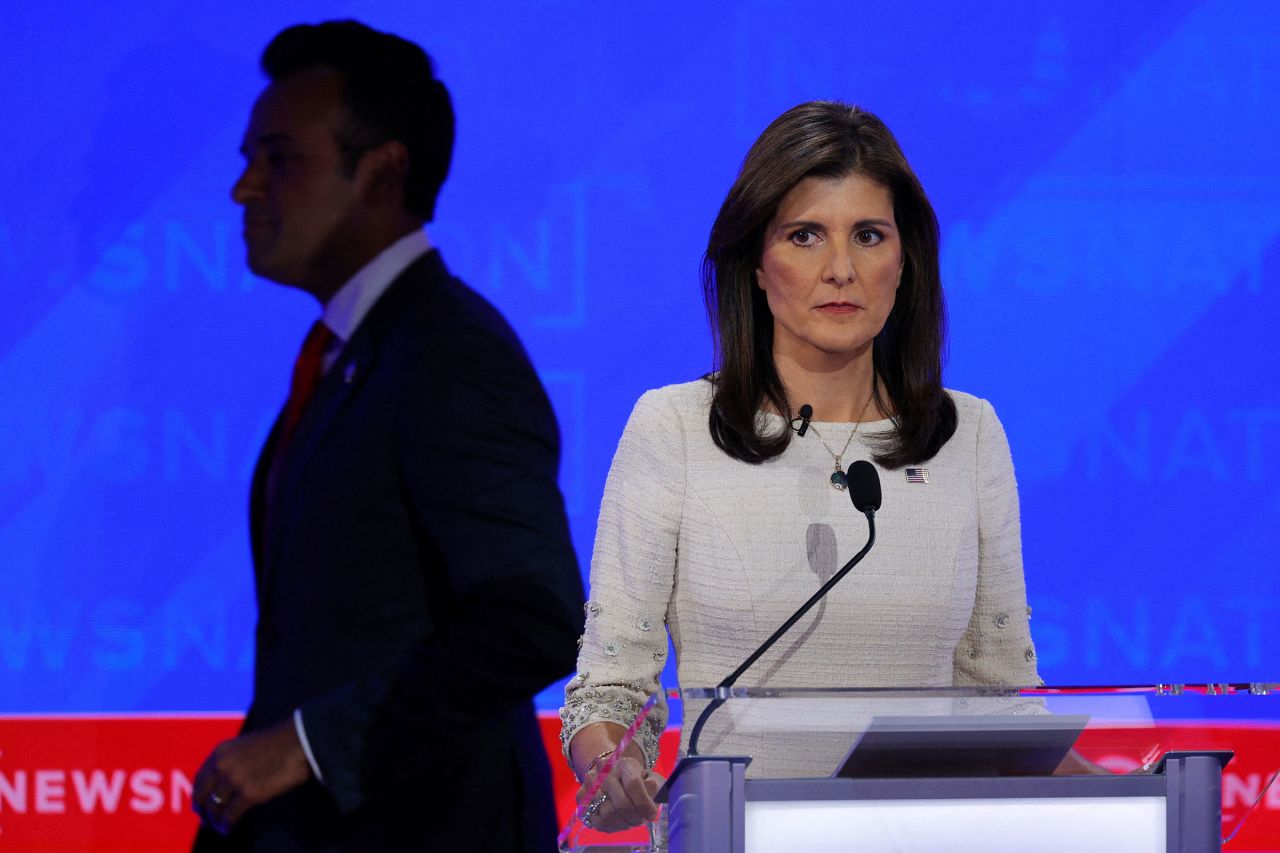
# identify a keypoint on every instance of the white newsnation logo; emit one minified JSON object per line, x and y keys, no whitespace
{"x":57,"y":791}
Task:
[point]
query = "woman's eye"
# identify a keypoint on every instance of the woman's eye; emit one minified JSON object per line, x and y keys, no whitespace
{"x":803,"y":237}
{"x":868,"y":237}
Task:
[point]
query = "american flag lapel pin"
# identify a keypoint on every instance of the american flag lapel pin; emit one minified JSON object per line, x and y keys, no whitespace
{"x":917,"y":475}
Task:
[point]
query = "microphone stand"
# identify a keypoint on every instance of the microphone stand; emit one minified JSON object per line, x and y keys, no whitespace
{"x":722,"y":689}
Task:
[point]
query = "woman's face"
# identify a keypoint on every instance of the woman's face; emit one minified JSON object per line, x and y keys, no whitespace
{"x":830,"y":268}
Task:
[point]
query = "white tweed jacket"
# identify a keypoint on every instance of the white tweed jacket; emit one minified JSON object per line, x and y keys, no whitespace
{"x":717,"y":553}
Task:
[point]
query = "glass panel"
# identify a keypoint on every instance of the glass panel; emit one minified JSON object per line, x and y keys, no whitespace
{"x":808,"y":732}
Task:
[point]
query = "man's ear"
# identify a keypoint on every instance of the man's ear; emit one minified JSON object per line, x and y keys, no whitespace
{"x":386,"y":168}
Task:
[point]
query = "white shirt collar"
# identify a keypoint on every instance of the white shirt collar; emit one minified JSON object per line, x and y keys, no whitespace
{"x":343,"y":313}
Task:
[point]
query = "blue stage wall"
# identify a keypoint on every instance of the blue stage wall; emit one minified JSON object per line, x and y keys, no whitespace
{"x":1107,"y":178}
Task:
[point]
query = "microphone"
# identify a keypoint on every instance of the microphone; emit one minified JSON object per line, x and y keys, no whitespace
{"x":864,"y":487}
{"x":864,"y":491}
{"x":806,"y":414}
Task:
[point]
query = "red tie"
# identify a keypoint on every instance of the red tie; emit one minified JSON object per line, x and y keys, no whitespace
{"x":308,"y":370}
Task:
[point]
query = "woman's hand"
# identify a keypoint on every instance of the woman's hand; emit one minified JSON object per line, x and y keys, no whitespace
{"x":625,"y":799}
{"x":1075,"y":764}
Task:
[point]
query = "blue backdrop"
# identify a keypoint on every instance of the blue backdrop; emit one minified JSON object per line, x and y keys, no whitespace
{"x":1107,"y":179}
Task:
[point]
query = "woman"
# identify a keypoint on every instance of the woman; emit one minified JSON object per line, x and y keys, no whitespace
{"x":718,"y":520}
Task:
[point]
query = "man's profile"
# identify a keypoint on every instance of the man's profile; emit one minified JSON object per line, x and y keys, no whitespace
{"x":415,"y":580}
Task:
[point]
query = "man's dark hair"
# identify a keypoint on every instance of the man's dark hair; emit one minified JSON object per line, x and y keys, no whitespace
{"x":825,"y":139}
{"x":390,"y":91}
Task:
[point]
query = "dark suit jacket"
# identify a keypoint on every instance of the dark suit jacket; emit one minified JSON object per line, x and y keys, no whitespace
{"x":416,"y":586}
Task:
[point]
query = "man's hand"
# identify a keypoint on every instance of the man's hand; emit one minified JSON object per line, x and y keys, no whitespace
{"x":242,"y":772}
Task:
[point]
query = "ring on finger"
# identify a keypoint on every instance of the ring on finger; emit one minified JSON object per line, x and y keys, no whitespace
{"x":592,"y":809}
{"x":595,"y":806}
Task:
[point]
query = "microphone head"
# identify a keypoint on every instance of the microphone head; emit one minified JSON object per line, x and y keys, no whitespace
{"x":864,"y":486}
{"x":806,"y":412}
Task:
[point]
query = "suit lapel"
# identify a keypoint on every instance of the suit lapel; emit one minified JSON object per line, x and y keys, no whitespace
{"x":340,"y":385}
{"x":258,"y":500}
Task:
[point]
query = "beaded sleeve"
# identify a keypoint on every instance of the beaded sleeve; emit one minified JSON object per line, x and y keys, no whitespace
{"x":624,"y":646}
{"x":996,"y":647}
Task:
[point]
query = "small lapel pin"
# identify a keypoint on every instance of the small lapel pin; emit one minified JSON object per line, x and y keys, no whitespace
{"x":917,"y":475}
{"x":349,"y":375}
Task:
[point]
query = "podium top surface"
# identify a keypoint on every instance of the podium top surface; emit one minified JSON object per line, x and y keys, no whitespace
{"x":1188,"y":690}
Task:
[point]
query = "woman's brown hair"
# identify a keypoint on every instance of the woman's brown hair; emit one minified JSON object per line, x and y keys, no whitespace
{"x":825,"y":139}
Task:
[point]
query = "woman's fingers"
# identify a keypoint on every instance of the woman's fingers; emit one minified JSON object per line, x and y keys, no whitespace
{"x":625,"y":799}
{"x":654,"y":783}
{"x":635,"y":800}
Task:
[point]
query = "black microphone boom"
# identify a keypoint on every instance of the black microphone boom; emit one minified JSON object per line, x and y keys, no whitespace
{"x":864,"y":491}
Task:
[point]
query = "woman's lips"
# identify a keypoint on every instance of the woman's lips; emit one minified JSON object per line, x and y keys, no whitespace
{"x":838,"y":308}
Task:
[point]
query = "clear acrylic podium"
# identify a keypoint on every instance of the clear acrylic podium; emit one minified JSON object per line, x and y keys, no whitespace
{"x":982,"y":769}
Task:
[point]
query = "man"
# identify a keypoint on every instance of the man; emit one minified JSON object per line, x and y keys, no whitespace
{"x":415,"y":579}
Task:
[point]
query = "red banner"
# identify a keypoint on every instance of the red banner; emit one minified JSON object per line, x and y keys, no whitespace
{"x":122,"y":784}
{"x":110,"y":784}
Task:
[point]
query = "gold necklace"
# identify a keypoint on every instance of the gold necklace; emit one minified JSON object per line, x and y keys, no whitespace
{"x":839,"y":480}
